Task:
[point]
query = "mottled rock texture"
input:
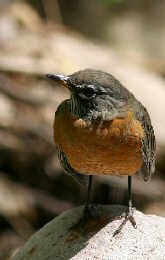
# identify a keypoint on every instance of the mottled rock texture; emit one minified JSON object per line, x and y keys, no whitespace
{"x":63,"y":239}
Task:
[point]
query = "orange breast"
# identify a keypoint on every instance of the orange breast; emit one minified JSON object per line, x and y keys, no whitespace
{"x":112,"y":148}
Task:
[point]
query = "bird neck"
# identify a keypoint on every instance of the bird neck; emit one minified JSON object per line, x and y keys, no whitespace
{"x":78,"y":109}
{"x":94,"y":112}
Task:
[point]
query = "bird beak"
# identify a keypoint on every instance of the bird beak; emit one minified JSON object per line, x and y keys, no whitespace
{"x":61,"y":79}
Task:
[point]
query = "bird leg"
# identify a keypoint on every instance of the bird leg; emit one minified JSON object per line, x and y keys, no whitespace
{"x":84,"y":222}
{"x":86,"y":212}
{"x":128,"y":215}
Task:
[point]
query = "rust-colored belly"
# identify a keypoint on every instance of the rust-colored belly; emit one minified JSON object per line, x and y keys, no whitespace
{"x":112,"y":148}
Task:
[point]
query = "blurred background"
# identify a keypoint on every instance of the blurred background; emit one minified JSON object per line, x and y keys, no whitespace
{"x":125,"y":38}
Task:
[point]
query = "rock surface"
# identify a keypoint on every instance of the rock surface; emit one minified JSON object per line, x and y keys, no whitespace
{"x":62,"y":239}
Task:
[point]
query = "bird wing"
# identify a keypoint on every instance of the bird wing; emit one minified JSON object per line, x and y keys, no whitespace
{"x":148,"y":148}
{"x":80,"y":178}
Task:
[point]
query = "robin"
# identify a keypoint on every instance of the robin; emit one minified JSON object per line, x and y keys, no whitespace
{"x":103,"y":129}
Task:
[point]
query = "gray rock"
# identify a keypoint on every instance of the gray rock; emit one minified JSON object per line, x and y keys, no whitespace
{"x":63,"y":239}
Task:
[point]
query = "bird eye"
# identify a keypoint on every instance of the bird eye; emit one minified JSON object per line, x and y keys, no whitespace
{"x":89,"y":92}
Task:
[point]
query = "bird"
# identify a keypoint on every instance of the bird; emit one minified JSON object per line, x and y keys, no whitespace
{"x":102,"y":129}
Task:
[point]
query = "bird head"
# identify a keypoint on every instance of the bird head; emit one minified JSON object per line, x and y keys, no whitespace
{"x":95,"y":94}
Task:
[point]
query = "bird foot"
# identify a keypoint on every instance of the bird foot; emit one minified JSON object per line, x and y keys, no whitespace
{"x":82,"y":224}
{"x":92,"y":219}
{"x":127,"y":215}
{"x":86,"y":217}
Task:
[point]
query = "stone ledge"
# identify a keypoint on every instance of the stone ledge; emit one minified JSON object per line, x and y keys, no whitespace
{"x":57,"y":239}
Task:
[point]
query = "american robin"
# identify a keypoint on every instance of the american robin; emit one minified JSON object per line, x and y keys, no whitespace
{"x":103,"y":129}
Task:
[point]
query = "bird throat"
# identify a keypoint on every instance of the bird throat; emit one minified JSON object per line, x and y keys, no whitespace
{"x":89,"y":111}
{"x":79,"y":108}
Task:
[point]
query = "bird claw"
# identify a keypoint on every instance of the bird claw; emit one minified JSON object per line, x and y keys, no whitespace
{"x":127,"y":215}
{"x":85,"y":217}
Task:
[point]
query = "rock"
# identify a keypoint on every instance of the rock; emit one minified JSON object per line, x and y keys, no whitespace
{"x":63,"y":239}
